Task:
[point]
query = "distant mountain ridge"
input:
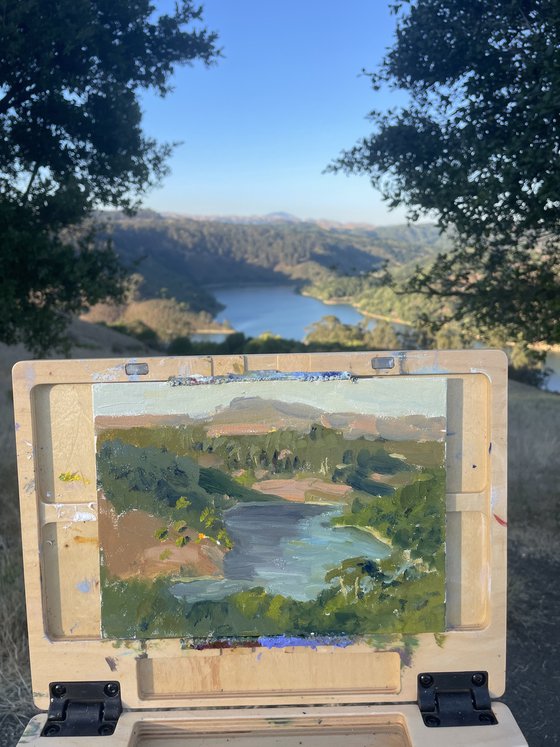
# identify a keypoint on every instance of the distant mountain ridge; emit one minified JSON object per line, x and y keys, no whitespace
{"x":277,"y":217}
{"x":283,"y":217}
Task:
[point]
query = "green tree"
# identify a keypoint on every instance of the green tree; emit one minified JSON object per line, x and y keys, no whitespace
{"x":477,"y":143}
{"x":329,"y":329}
{"x":71,"y":140}
{"x":383,"y":337}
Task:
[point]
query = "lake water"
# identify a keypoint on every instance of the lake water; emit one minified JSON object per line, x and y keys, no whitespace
{"x":277,"y":309}
{"x":280,"y":310}
{"x":287,"y":548}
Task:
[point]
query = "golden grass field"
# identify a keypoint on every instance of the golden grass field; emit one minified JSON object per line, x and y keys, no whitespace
{"x":534,"y":566}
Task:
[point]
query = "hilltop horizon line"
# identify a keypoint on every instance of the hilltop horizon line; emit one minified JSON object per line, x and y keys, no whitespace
{"x":278,"y":216}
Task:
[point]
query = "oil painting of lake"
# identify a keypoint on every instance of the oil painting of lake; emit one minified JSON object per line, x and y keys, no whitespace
{"x":236,"y":508}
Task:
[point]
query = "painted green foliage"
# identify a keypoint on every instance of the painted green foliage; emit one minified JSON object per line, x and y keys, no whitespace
{"x":165,"y":484}
{"x":157,"y":470}
{"x":410,"y":518}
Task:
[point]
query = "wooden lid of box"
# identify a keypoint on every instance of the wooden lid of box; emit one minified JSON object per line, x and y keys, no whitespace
{"x":61,"y":515}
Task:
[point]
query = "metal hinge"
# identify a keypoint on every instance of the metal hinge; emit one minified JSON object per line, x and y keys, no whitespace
{"x":83,"y":709}
{"x":455,"y":699}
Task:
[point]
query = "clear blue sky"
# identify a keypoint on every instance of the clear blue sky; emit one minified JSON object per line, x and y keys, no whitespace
{"x":259,"y":127}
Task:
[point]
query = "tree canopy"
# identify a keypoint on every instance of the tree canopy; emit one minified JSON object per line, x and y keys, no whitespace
{"x":71,"y":140}
{"x":477,"y":143}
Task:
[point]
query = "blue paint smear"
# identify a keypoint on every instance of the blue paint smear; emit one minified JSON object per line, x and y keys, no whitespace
{"x":84,"y":586}
{"x":262,"y":376}
{"x":282,"y":641}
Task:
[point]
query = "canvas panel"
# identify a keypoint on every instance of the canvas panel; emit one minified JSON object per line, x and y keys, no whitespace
{"x":278,"y":508}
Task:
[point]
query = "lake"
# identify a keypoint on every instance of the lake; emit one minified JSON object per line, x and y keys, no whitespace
{"x":287,"y":548}
{"x":279,"y":309}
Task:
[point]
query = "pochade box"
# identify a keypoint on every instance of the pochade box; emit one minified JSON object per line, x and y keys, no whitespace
{"x":266,"y":549}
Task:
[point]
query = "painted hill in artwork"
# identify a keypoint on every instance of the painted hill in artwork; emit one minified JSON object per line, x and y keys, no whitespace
{"x":255,"y":415}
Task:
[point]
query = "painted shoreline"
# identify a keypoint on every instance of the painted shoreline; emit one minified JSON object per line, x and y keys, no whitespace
{"x":368,"y":530}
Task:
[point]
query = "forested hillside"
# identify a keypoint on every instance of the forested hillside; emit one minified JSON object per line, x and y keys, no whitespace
{"x":176,"y":261}
{"x":178,"y":256}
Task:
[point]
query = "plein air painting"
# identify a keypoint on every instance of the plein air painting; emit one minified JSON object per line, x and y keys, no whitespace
{"x":291,"y":505}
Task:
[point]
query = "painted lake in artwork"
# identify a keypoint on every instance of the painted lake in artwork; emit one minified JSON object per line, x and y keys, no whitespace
{"x":285,"y":548}
{"x":271,"y":504}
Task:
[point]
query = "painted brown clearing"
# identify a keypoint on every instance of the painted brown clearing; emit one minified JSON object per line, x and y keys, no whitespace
{"x":303,"y":490}
{"x":130,"y":548}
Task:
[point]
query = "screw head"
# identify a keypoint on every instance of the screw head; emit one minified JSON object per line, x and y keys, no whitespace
{"x":426,"y":680}
{"x":58,"y":690}
{"x":51,"y":730}
{"x":106,"y":729}
{"x":478,"y":679}
{"x":431,"y":721}
{"x":111,"y":689}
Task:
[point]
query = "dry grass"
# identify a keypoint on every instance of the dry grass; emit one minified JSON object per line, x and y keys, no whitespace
{"x":534,"y":514}
{"x":15,"y":700}
{"x":158,"y":319}
{"x":533,"y":463}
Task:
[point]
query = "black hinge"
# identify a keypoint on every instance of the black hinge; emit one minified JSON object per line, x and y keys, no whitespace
{"x":83,"y":709}
{"x":455,"y":699}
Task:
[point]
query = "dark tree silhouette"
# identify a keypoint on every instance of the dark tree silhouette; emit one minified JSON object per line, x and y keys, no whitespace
{"x":478,"y":144}
{"x":71,"y":140}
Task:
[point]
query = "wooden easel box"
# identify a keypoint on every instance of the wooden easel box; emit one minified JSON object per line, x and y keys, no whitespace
{"x":354,"y":696}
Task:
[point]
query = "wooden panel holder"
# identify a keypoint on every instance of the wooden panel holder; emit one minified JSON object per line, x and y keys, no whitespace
{"x":57,"y":477}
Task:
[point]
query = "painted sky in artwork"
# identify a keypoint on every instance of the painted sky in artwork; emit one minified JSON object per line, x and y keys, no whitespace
{"x":383,"y":397}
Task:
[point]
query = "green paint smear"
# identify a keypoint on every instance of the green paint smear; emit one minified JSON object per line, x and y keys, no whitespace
{"x":70,"y":477}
